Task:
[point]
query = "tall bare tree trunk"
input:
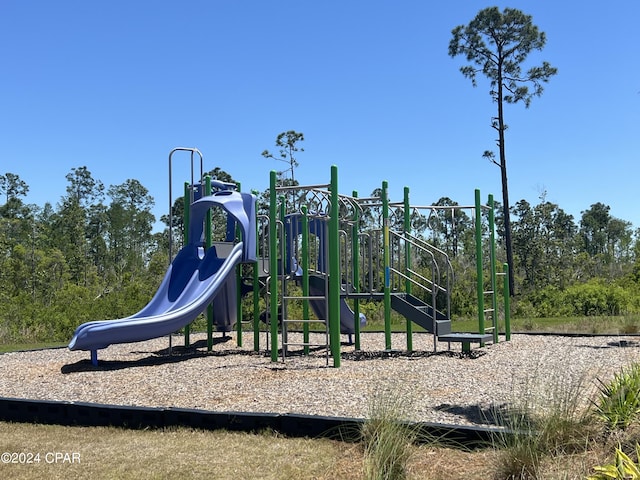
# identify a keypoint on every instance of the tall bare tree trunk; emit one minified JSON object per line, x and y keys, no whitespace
{"x":505,"y":185}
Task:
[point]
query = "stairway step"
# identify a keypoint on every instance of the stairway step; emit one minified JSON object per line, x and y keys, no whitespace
{"x":464,"y":337}
{"x":443,"y":327}
{"x":420,"y":313}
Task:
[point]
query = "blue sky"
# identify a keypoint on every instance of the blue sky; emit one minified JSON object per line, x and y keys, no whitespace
{"x":115,"y":85}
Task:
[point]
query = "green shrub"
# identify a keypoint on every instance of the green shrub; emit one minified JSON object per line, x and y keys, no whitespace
{"x":592,"y":298}
{"x":597,"y":298}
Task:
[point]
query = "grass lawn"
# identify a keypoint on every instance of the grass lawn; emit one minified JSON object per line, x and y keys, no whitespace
{"x":111,"y":453}
{"x":14,"y":347}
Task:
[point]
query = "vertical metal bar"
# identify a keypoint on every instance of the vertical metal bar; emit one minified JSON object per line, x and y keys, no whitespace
{"x":188,"y":193}
{"x":507,"y":302}
{"x":367,"y":259}
{"x":355,"y":253}
{"x":407,"y":262}
{"x":239,"y":312}
{"x":479,"y":269}
{"x":170,"y":217}
{"x":191,"y":197}
{"x":434,"y":295}
{"x":170,"y":233}
{"x":334,"y":270}
{"x":325,"y":267}
{"x":387,"y":266}
{"x":186,"y":213}
{"x":305,"y":277}
{"x":208,"y":230}
{"x":256,"y":291}
{"x":273,"y":266}
{"x":492,"y":262}
{"x":285,"y":258}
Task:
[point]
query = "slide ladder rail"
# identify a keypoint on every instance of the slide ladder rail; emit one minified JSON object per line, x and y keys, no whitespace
{"x":282,"y":286}
{"x":291,"y":277}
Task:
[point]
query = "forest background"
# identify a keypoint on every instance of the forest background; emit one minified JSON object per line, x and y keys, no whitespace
{"x":95,"y":255}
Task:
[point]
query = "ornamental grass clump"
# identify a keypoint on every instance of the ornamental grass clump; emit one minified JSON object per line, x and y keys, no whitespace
{"x":387,"y":437}
{"x":549,"y":420}
{"x":618,"y":403}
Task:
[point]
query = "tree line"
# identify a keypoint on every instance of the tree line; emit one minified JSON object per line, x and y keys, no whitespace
{"x":94,"y":255}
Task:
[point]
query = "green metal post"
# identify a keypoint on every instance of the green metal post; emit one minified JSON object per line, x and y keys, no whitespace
{"x":507,"y":303}
{"x":479,"y":269}
{"x":407,"y":263}
{"x":355,"y":253}
{"x":334,"y":270}
{"x":207,"y":235}
{"x":187,"y":209}
{"x":305,"y":278}
{"x":492,"y":262}
{"x":273,"y":266}
{"x":387,"y":266}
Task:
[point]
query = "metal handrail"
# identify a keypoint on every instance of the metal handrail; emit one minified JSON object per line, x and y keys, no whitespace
{"x":410,"y":241}
{"x":420,"y":242}
{"x":432,"y":286}
{"x":450,"y":273}
{"x":193,"y":152}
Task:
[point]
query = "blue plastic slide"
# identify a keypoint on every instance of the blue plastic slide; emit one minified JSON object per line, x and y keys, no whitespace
{"x":189,"y":286}
{"x":194,"y":280}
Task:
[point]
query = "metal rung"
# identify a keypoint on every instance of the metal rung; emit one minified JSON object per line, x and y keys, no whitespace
{"x":301,"y":320}
{"x":302,"y":344}
{"x":488,"y":310}
{"x":489,"y":292}
{"x":308,"y":297}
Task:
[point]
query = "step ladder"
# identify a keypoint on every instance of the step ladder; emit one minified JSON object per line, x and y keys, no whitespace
{"x":308,"y":344}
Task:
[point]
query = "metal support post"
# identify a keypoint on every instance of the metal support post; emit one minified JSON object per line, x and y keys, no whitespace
{"x":334,"y":269}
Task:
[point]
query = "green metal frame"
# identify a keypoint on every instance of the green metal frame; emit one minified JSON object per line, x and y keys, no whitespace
{"x":479,"y":266}
{"x":334,"y":269}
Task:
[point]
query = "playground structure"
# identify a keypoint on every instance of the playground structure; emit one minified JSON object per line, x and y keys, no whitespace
{"x":379,"y":264}
{"x":311,"y":237}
